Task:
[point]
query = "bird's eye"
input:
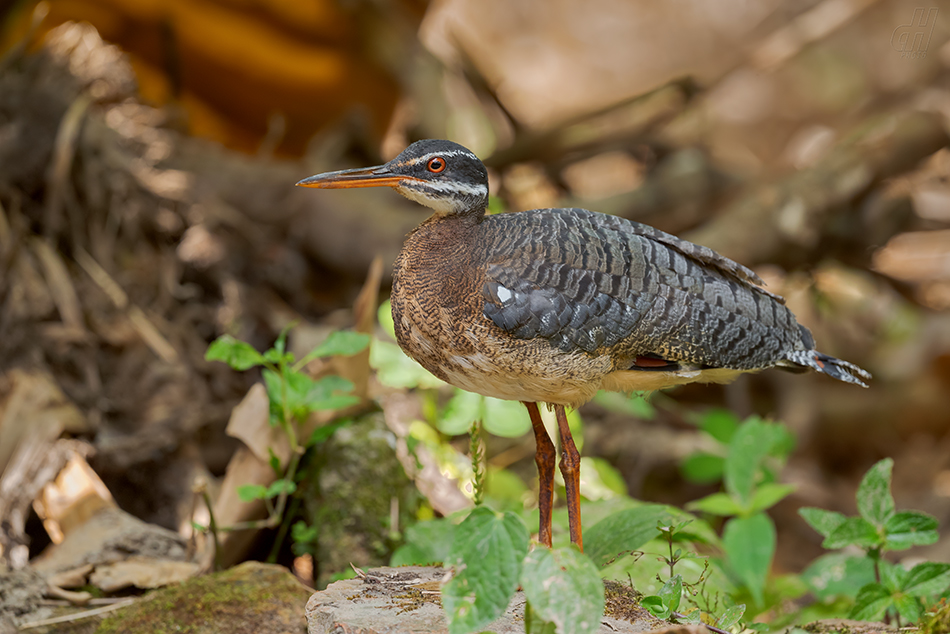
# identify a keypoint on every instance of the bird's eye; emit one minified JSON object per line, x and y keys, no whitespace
{"x":436,"y":165}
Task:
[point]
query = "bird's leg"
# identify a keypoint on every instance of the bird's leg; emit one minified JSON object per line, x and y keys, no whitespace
{"x":545,"y":456}
{"x":571,"y":470}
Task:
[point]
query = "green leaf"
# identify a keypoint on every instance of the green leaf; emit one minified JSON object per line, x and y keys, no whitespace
{"x":301,"y":533}
{"x":340,"y":343}
{"x":274,"y":461}
{"x":632,"y":405}
{"x":251,"y":492}
{"x":908,"y":607}
{"x":721,"y":424}
{"x":411,"y":554}
{"x":463,"y":409}
{"x":237,"y":354}
{"x":384,"y":314}
{"x":324,"y":394}
{"x":655,"y":606}
{"x":672,"y":592}
{"x":508,"y":419}
{"x":395,"y":369}
{"x":892,"y":576}
{"x":434,"y":538}
{"x":280,"y":486}
{"x":275,"y":356}
{"x":486,"y":555}
{"x":909,"y":528}
{"x":602,"y":480}
{"x":332,"y":402}
{"x":691,"y":617}
{"x":534,"y":623}
{"x":750,"y":445}
{"x":927,"y":579}
{"x":281,"y":344}
{"x":730,"y":617}
{"x":505,"y":487}
{"x":853,"y":531}
{"x":564,"y":588}
{"x":875,"y":502}
{"x":703,"y":468}
{"x":825,"y":522}
{"x":873,"y":599}
{"x":716,"y":504}
{"x":304,"y":395}
{"x":625,"y":531}
{"x":750,"y":544}
{"x":768,"y":495}
{"x":324,"y":432}
{"x":838,"y":574}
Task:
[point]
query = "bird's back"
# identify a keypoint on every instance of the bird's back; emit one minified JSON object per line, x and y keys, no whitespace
{"x":603,"y":284}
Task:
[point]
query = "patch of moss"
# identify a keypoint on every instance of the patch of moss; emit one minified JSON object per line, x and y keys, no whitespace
{"x":249,"y":598}
{"x":937,"y":619}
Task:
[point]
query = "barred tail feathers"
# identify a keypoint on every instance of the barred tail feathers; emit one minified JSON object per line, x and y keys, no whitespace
{"x":833,"y":367}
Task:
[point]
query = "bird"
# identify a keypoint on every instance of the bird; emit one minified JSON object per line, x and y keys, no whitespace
{"x":548,"y":306}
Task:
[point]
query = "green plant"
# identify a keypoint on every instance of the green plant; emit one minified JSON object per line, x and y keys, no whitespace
{"x":666,"y":602}
{"x":489,"y":557}
{"x":879,"y":528}
{"x":292,"y":396}
{"x":752,"y":452}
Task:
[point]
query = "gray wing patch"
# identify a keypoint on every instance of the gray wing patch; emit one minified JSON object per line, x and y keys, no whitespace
{"x":527,"y":312}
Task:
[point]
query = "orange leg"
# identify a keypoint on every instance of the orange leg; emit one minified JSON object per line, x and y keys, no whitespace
{"x":545,"y":457}
{"x":571,"y":470}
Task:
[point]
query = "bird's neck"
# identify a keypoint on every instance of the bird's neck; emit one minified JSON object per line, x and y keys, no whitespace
{"x":442,"y":238}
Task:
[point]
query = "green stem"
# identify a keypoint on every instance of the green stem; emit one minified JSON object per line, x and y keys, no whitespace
{"x":288,"y":475}
{"x":672,"y":563}
{"x":213,"y":528}
{"x":282,"y":531}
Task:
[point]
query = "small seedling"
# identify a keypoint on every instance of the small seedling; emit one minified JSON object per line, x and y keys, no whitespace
{"x":293,"y":396}
{"x":879,"y":528}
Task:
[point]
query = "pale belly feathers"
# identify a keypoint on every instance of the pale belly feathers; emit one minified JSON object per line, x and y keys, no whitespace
{"x":478,"y":359}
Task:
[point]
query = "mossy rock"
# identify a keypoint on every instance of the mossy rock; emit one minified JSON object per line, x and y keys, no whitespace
{"x":247,"y":599}
{"x":349,"y":492}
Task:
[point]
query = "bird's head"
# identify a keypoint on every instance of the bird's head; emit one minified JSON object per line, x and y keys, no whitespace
{"x":441,"y":175}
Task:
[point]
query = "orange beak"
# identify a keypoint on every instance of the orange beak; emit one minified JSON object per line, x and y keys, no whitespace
{"x":378,"y":176}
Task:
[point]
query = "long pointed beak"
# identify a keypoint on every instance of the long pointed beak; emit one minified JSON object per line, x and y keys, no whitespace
{"x":378,"y":176}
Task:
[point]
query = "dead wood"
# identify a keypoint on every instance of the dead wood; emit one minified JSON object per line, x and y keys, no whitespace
{"x":794,"y":211}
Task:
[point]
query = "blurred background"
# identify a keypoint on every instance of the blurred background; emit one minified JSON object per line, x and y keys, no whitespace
{"x":148,"y":151}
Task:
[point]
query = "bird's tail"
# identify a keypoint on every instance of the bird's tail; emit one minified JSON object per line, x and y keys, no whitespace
{"x":833,"y":367}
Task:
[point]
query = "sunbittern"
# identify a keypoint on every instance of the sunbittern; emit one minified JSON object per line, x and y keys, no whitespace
{"x":551,"y":305}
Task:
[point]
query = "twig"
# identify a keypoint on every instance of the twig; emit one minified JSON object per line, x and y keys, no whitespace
{"x":78,"y":616}
{"x":57,"y":178}
{"x":17,"y":50}
{"x":794,"y":210}
{"x":147,"y":330}
{"x":814,"y":24}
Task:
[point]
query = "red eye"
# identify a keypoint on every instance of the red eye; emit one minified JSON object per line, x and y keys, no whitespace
{"x":436,"y":164}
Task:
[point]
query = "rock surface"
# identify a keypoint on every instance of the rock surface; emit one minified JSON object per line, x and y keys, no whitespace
{"x":407,"y":599}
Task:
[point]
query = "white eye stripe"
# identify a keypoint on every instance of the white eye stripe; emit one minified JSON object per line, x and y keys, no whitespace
{"x":449,"y":186}
{"x":430,"y":155}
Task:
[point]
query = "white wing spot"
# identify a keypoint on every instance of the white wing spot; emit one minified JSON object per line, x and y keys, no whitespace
{"x":504,"y":294}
